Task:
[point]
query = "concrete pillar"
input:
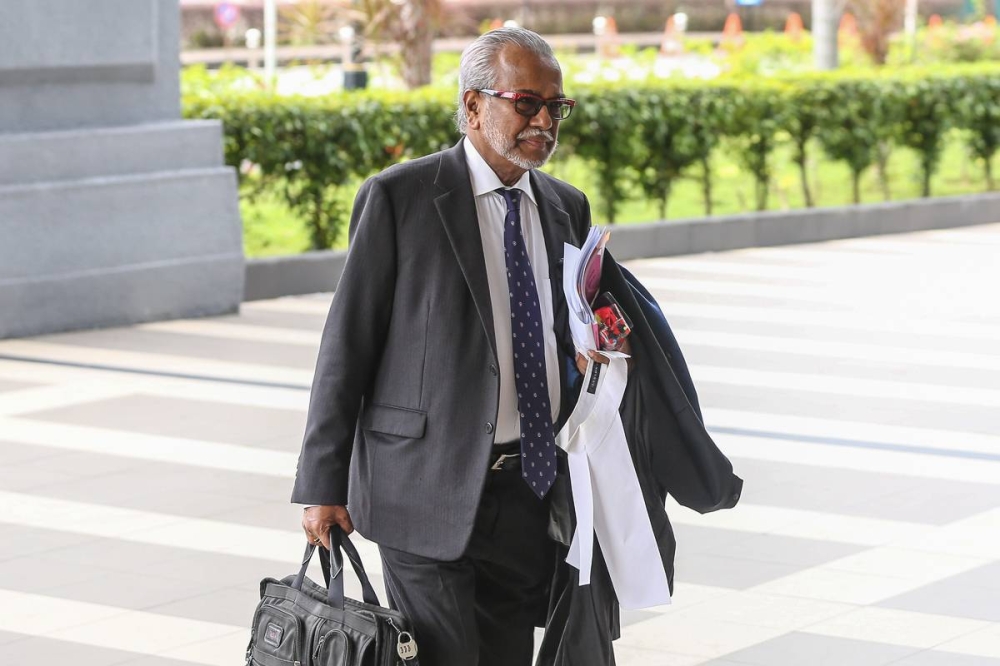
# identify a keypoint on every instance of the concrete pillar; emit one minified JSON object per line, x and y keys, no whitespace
{"x":112,"y":209}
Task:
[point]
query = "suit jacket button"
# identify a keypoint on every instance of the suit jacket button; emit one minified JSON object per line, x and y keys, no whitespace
{"x":493,"y":370}
{"x":489,"y":428}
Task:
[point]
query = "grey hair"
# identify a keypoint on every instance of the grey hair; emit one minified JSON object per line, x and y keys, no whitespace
{"x":479,"y":60}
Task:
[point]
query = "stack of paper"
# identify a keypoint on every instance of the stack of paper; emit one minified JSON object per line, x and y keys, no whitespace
{"x":581,"y":283}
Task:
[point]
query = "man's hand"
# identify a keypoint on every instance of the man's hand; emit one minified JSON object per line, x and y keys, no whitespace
{"x":317,"y":520}
{"x":581,"y":360}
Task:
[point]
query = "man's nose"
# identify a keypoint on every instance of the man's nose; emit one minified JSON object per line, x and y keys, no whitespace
{"x":542,"y":119}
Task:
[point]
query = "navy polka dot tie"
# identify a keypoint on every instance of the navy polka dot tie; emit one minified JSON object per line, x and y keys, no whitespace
{"x":538,"y":447}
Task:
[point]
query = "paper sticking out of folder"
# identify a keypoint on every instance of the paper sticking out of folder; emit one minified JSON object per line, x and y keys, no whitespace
{"x":607,"y":328}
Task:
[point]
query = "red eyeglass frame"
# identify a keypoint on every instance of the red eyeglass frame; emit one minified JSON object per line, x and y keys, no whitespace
{"x":516,"y":97}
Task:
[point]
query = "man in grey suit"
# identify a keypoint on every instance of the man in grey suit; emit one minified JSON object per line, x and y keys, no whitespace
{"x":446,"y":366}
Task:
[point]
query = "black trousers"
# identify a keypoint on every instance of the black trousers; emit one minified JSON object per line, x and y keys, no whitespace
{"x":481,"y":609}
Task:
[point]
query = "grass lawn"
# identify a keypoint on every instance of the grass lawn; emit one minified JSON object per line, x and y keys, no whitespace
{"x":271,"y":228}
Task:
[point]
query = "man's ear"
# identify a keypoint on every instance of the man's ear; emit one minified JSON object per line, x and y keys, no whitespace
{"x":473,"y":109}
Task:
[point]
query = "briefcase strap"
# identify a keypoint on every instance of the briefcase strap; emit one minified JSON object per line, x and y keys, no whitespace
{"x":333,"y":569}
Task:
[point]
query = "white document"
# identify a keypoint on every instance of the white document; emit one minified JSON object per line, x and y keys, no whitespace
{"x":580,"y":327}
{"x":607,"y":497}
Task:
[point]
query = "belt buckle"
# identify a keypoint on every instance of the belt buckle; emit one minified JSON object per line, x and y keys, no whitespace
{"x":498,"y":465}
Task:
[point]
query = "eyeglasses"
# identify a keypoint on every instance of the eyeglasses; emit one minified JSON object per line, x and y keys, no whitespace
{"x":529,"y":105}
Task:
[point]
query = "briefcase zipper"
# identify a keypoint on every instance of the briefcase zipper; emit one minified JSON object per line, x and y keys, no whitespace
{"x":322,"y":640}
{"x":250,"y":658}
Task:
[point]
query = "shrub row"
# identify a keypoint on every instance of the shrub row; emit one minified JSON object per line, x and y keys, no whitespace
{"x":649,"y":133}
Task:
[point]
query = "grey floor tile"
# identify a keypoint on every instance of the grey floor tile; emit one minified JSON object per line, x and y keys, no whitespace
{"x":13,"y":479}
{"x":741,"y":300}
{"x":694,"y":542}
{"x":15,"y":453}
{"x":119,"y":556}
{"x":921,"y":342}
{"x":805,"y":553}
{"x":817,"y":362}
{"x":156,"y":661}
{"x":18,"y":541}
{"x":233,"y":606}
{"x":941,"y":502}
{"x":213,"y":570}
{"x":801,"y":649}
{"x":277,"y":515}
{"x":937,"y":658}
{"x":636,"y":616}
{"x":146,"y":492}
{"x":194,"y":419}
{"x":731,"y":572}
{"x":50,"y":652}
{"x":886,"y":411}
{"x":678,"y":272}
{"x":194,"y":346}
{"x":236,"y":484}
{"x":296,"y":320}
{"x":698,"y":539}
{"x":180,"y":490}
{"x":867,"y":494}
{"x":974,"y":594}
{"x":42,"y":573}
{"x":202,"y":571}
{"x":8,"y":637}
{"x":127,"y":590}
{"x":77,"y":464}
{"x":11,"y":385}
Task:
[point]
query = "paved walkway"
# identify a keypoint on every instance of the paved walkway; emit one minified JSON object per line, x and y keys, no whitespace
{"x":144,"y":472}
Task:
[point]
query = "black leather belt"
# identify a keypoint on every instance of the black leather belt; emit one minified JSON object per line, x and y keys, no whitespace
{"x":505,"y":462}
{"x":507,"y":458}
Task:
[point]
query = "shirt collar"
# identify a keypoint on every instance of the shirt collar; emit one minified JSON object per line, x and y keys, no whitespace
{"x":485,"y":180}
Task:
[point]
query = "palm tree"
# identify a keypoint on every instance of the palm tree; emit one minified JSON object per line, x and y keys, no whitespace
{"x":412,"y":24}
{"x":315,"y":21}
{"x":877,"y":20}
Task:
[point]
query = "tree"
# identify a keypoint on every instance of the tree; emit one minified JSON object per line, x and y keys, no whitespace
{"x":754,"y":126}
{"x":803,"y":119}
{"x":877,"y":20}
{"x":979,"y":115}
{"x":413,"y":25}
{"x":603,"y":131}
{"x":851,"y":125}
{"x":311,"y":21}
{"x":670,"y":141}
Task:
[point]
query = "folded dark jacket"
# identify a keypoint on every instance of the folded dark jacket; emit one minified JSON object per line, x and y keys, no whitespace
{"x":673,"y":454}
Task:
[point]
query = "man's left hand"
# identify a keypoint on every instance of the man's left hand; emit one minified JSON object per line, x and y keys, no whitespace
{"x":581,"y":360}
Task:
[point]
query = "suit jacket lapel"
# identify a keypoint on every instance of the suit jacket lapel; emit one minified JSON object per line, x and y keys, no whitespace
{"x":457,"y":210}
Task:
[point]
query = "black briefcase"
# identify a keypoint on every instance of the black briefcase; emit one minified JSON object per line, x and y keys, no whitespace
{"x":299,"y":623}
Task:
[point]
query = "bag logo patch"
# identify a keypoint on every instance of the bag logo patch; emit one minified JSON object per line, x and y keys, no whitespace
{"x":272,"y":635}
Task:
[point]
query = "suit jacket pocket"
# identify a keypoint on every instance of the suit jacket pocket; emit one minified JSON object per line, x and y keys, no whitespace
{"x":398,"y":421}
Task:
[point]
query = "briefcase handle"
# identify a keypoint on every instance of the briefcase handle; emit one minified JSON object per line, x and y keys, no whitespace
{"x":333,"y":569}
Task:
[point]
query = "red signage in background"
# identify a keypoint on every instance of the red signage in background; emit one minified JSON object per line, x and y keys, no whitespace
{"x":226,"y":15}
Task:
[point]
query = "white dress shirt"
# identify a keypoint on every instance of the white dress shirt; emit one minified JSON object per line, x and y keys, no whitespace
{"x":491,"y":209}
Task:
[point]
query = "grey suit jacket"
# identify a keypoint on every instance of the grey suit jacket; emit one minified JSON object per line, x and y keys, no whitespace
{"x":404,"y":399}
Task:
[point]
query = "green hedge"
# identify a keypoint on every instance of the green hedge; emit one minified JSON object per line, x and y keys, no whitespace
{"x":650,"y":133}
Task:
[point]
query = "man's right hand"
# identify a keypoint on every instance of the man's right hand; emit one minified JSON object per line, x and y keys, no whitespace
{"x":317,"y":521}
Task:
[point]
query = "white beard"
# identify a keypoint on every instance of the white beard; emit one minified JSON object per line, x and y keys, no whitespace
{"x":498,"y":142}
